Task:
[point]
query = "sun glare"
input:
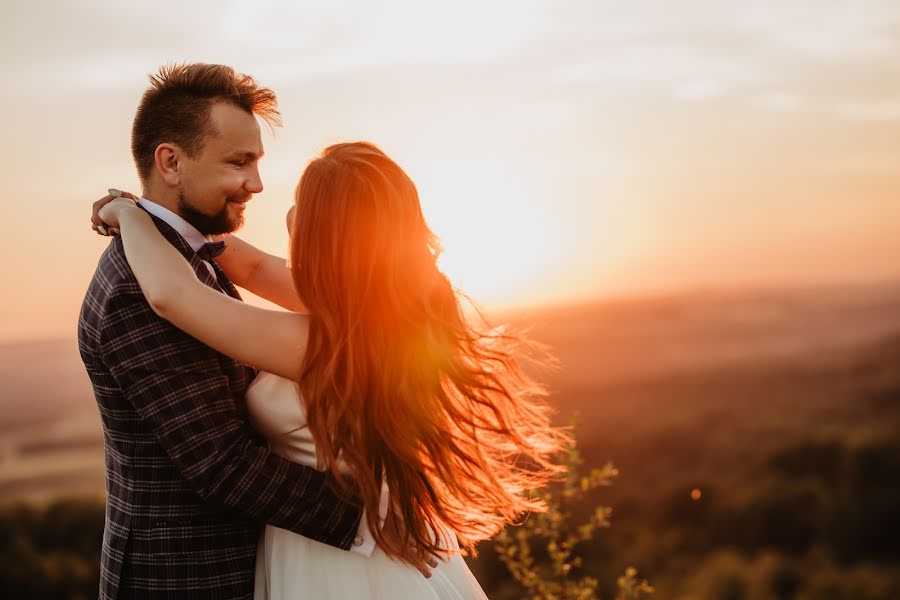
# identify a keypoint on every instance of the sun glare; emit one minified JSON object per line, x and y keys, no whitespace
{"x":495,"y":230}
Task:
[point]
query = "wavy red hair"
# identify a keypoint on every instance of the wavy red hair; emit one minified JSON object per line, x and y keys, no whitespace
{"x":399,"y":387}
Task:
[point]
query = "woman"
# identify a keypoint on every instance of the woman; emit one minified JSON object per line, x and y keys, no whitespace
{"x":383,"y":382}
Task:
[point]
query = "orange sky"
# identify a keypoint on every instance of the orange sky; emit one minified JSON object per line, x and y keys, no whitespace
{"x":561,"y":150}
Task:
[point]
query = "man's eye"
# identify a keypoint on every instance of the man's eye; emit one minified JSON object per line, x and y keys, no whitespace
{"x":239,"y":163}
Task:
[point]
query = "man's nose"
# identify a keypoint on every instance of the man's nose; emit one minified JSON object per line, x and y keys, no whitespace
{"x":254,"y":184}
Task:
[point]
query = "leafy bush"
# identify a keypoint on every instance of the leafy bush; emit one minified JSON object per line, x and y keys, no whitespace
{"x":540,"y":553}
{"x":51,"y":552}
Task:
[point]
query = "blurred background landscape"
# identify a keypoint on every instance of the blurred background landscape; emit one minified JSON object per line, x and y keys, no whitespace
{"x":696,"y":205}
{"x":782,"y":407}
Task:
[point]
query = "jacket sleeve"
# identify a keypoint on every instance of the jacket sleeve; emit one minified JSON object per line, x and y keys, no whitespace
{"x":177,"y":385}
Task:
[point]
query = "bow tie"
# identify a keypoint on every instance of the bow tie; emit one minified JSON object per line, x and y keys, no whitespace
{"x":210,"y":250}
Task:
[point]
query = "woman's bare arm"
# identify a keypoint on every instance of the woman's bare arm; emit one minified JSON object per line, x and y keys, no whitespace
{"x":269,"y":340}
{"x":266,"y":275}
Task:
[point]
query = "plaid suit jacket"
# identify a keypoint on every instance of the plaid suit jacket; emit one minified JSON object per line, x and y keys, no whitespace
{"x":189,"y":484}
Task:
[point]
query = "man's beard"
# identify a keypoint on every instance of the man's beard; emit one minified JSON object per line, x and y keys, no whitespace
{"x":210,"y":224}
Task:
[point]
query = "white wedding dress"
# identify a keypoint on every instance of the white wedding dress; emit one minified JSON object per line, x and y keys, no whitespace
{"x":289,"y":566}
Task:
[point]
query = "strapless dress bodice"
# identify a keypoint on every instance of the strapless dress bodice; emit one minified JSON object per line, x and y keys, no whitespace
{"x":289,"y":565}
{"x":276,"y":411}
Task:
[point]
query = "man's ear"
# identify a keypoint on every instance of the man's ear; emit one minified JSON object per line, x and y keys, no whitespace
{"x":168,"y":159}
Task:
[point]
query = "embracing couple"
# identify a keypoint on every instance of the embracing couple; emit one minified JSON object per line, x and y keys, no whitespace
{"x":348,"y":447}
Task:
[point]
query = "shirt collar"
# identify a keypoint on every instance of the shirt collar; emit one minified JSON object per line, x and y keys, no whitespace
{"x":190,"y":234}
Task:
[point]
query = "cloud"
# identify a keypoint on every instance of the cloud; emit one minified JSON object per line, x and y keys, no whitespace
{"x":778,"y":101}
{"x":697,"y":89}
{"x":870,"y":110}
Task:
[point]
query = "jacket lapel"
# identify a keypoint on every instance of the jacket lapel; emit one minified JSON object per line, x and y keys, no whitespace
{"x":182,"y":246}
{"x":226,"y":284}
{"x":239,"y":374}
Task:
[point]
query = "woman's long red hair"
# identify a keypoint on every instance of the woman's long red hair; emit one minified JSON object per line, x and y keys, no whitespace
{"x":399,"y":387}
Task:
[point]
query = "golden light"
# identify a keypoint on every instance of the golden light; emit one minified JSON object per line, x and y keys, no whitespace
{"x":696,"y":494}
{"x":497,"y":232}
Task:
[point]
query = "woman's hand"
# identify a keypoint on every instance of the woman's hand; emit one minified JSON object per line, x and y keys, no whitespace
{"x":105,"y":214}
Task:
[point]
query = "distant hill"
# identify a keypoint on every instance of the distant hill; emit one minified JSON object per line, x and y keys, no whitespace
{"x":634,"y":337}
{"x":41,"y":381}
{"x":708,"y":381}
{"x":643,"y":374}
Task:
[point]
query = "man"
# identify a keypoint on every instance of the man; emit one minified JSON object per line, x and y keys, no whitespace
{"x":189,"y":483}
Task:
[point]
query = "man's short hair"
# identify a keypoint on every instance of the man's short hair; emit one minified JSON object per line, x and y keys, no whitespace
{"x":176,"y":108}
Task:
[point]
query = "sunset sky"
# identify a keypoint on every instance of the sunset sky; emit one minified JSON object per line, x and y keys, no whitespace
{"x":562,"y":150}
